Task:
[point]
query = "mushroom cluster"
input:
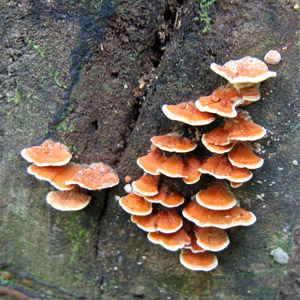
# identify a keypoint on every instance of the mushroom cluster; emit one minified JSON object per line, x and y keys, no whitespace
{"x":199,"y":228}
{"x":51,"y":162}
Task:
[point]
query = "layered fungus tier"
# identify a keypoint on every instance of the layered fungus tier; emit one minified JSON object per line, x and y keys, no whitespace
{"x":196,"y":224}
{"x":51,"y":162}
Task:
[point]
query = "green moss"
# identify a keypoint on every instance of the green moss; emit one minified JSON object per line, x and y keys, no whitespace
{"x":6,"y":281}
{"x":271,"y":43}
{"x":37,"y":48}
{"x":77,"y":236}
{"x":57,"y":81}
{"x":204,"y":10}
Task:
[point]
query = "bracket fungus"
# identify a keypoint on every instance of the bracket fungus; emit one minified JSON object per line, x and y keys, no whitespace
{"x":136,"y":205}
{"x":72,"y":200}
{"x":217,"y":197}
{"x":173,"y":143}
{"x":57,"y":176}
{"x":167,"y":196}
{"x":211,"y":238}
{"x":170,"y":241}
{"x":242,"y":156}
{"x":51,"y":162}
{"x":152,"y":161}
{"x":222,"y":102}
{"x":96,"y":176}
{"x":224,"y":219}
{"x":164,"y":220}
{"x":147,"y":185}
{"x":205,"y":261}
{"x":50,"y":153}
{"x":198,"y":226}
{"x":187,"y":112}
{"x":220,"y":167}
{"x":245,"y":70}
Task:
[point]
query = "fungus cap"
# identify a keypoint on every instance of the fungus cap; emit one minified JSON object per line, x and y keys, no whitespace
{"x":191,"y":174}
{"x":273,"y":57}
{"x":167,"y":196}
{"x":173,"y":143}
{"x":187,"y":112}
{"x":96,"y":176}
{"x":219,"y":149}
{"x":170,"y":241}
{"x":172,"y":167}
{"x":224,"y":219}
{"x":136,"y":205}
{"x":222,"y":102}
{"x":57,"y":176}
{"x":211,"y":238}
{"x":164,"y":220}
{"x":218,"y":136}
{"x":235,"y":185}
{"x":250,"y":94}
{"x":72,"y":200}
{"x":247,"y":69}
{"x":150,"y":162}
{"x":241,"y":128}
{"x":242,"y":156}
{"x":217,"y":197}
{"x":147,"y":185}
{"x":193,"y":246}
{"x":50,"y":153}
{"x":220,"y":167}
{"x":205,"y":261}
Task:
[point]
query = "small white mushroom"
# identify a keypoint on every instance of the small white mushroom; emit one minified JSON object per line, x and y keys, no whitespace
{"x":273,"y":57}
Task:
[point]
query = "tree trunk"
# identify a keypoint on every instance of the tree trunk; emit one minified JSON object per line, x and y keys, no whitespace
{"x":94,"y":75}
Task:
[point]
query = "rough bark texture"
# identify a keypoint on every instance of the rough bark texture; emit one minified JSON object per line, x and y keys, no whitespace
{"x":72,"y":71}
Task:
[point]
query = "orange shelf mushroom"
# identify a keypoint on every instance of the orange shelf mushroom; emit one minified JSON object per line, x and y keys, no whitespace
{"x":222,"y":102}
{"x":213,"y":209}
{"x":165,"y":220}
{"x":172,"y":167}
{"x":193,"y":246}
{"x":167,"y":196}
{"x":75,"y":199}
{"x":205,"y":261}
{"x":96,"y":176}
{"x":211,"y":238}
{"x":220,"y":167}
{"x":152,"y":161}
{"x":191,"y":173}
{"x":187,"y":112}
{"x":250,"y":94}
{"x":173,"y":143}
{"x":147,"y":185}
{"x":244,"y":70}
{"x":136,"y":205}
{"x":50,"y":153}
{"x":235,"y":185}
{"x":224,"y":219}
{"x":52,"y":163}
{"x":242,"y":156}
{"x":170,"y":241}
{"x":242,"y":128}
{"x":217,"y":197}
{"x":57,"y":176}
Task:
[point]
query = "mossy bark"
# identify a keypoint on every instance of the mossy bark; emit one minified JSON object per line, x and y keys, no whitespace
{"x":94,"y":75}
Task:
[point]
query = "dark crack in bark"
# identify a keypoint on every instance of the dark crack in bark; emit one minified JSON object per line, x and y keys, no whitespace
{"x":168,"y":22}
